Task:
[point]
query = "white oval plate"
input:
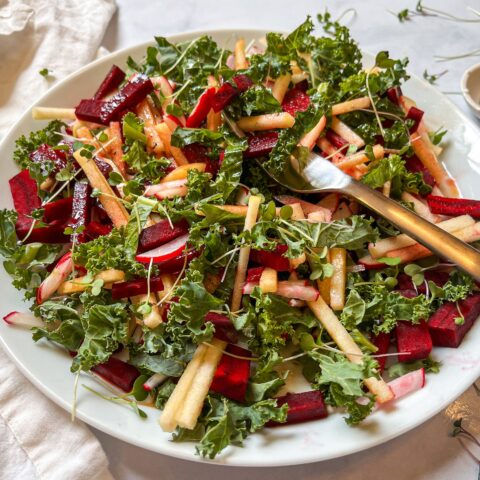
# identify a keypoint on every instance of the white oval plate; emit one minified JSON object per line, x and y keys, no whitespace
{"x":48,"y":367}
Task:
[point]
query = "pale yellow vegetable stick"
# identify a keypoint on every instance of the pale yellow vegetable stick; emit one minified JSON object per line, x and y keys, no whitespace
{"x":182,"y":171}
{"x":280,"y":87}
{"x":239,"y":55}
{"x":346,"y":133}
{"x":339,"y":278}
{"x":360,"y":158}
{"x":268,"y":280}
{"x":51,"y":113}
{"x":187,"y":415}
{"x":250,"y":220}
{"x":351,"y":106}
{"x":80,"y":284}
{"x":168,"y":420}
{"x":154,"y":317}
{"x":345,"y":342}
{"x":309,"y":139}
{"x":154,"y":142}
{"x":111,"y":203}
{"x":268,"y":121}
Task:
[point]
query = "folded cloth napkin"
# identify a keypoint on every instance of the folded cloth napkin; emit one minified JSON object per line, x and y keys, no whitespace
{"x":38,"y":439}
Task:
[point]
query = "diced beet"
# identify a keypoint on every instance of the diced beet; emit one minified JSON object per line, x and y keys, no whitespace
{"x":416,"y":115}
{"x":413,"y":164}
{"x":45,"y":153}
{"x":95,"y":230}
{"x":295,"y":100}
{"x":118,"y":373}
{"x":274,"y":259}
{"x":89,"y":110}
{"x":254,"y":274}
{"x":196,"y":153}
{"x":131,"y":94}
{"x":337,"y":141}
{"x":394,"y":94}
{"x":224,"y":329}
{"x":243,"y":82}
{"x":136,"y":287}
{"x":24,"y":193}
{"x":80,"y":210}
{"x":439,"y":278}
{"x":52,"y":233}
{"x":175,"y":265}
{"x":58,"y":210}
{"x":224,"y":96}
{"x":443,"y":329}
{"x":382,"y":342}
{"x":112,"y":81}
{"x":161,"y":233}
{"x":201,"y":109}
{"x":453,"y":206}
{"x":260,"y":144}
{"x":302,"y":407}
{"x":413,"y":341}
{"x":103,"y":166}
{"x":232,"y":374}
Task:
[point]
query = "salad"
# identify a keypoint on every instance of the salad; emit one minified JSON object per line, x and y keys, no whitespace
{"x":156,"y":250}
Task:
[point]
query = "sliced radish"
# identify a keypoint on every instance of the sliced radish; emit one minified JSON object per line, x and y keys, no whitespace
{"x":164,"y":252}
{"x":408,"y":383}
{"x":242,"y":196}
{"x":23,"y":319}
{"x":58,"y":275}
{"x":160,"y":187}
{"x":172,"y":192}
{"x":154,"y":381}
{"x":293,"y":302}
{"x":321,"y":216}
{"x":370,"y":263}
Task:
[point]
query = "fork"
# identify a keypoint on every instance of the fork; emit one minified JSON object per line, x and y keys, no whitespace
{"x":322,"y":176}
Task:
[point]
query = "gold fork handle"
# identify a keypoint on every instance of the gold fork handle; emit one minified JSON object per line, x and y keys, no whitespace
{"x":434,"y":238}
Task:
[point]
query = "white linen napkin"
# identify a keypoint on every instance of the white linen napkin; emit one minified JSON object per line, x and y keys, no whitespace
{"x":38,"y":439}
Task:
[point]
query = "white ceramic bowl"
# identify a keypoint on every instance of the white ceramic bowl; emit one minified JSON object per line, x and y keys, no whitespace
{"x":470,"y":84}
{"x":48,"y":366}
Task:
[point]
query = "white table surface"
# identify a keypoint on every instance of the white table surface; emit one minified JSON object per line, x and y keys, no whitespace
{"x":426,"y":452}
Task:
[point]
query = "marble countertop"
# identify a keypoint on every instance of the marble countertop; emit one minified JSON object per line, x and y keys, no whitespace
{"x":426,"y":452}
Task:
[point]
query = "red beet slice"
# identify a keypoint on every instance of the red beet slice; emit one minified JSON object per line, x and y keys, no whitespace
{"x":95,"y":230}
{"x":254,"y":274}
{"x":454,"y":206}
{"x":52,"y":233}
{"x":89,"y":110}
{"x":80,"y":210}
{"x":382,"y":342}
{"x":337,"y":141}
{"x":243,"y":82}
{"x":224,"y":96}
{"x":260,"y":144}
{"x":24,"y":193}
{"x":274,"y":259}
{"x":414,"y":165}
{"x":224,"y":329}
{"x":58,"y":210}
{"x":201,"y":109}
{"x":196,"y":153}
{"x":295,"y":100}
{"x":394,"y":94}
{"x":44,"y":153}
{"x":416,"y":115}
{"x":413,"y":341}
{"x":118,"y":373}
{"x":232,"y":374}
{"x":443,"y":329}
{"x":302,"y":407}
{"x":136,"y":287}
{"x":112,"y":81}
{"x":161,"y":233}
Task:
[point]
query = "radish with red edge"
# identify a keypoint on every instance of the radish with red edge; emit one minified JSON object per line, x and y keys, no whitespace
{"x":23,"y":319}
{"x":164,"y":252}
{"x":154,"y":381}
{"x":302,"y":407}
{"x":370,"y":263}
{"x":161,"y":187}
{"x":59,"y":274}
{"x":201,"y":109}
{"x":290,"y":289}
{"x":408,"y":383}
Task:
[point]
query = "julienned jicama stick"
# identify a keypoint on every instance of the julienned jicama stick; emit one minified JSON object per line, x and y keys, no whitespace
{"x":430,"y":162}
{"x":345,"y":342}
{"x":268,"y":280}
{"x":280,"y":87}
{"x":186,"y":401}
{"x":154,"y":142}
{"x":347,"y":133}
{"x":338,"y":259}
{"x":250,"y":220}
{"x":153,"y":318}
{"x":269,"y":121}
{"x":351,"y":106}
{"x":52,"y":113}
{"x":309,"y":139}
{"x":239,"y":55}
{"x":360,"y":158}
{"x":181,"y":172}
{"x":111,"y":203}
{"x":81,"y":284}
{"x":419,"y":207}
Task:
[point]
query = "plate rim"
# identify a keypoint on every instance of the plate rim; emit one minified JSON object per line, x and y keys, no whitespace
{"x":92,"y":421}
